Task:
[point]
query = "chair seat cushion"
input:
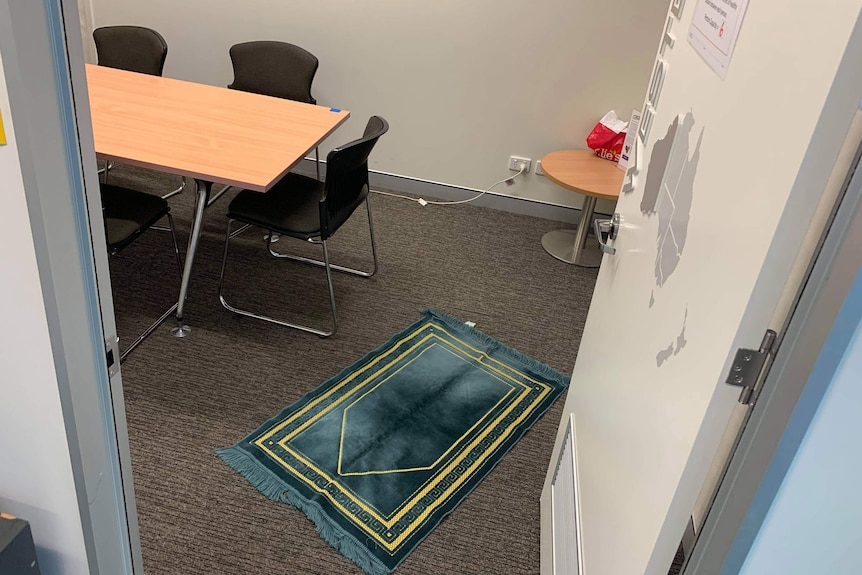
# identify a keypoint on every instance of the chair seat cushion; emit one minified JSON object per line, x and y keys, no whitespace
{"x":128,"y":213}
{"x":291,"y":207}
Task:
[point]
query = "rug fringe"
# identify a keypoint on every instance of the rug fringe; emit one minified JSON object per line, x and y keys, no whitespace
{"x":495,"y":346}
{"x":246,"y":466}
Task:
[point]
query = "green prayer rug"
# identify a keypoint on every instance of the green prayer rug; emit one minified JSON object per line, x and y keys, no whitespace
{"x":380,"y":453}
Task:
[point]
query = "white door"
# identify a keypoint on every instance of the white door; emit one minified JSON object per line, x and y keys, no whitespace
{"x":728,"y":175}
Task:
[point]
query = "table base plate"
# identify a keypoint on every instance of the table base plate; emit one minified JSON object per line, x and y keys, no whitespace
{"x":181,"y":331}
{"x":561,"y":245}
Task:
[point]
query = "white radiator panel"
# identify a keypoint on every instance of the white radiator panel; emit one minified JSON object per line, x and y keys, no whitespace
{"x":564,"y":507}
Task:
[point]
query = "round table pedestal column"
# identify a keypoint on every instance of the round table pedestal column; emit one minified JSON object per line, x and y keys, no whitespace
{"x":571,"y":246}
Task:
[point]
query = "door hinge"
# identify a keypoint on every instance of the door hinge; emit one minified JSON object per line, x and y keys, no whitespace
{"x":112,"y":355}
{"x":747,"y":367}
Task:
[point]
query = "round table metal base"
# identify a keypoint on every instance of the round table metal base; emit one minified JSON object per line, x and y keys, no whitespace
{"x":562,"y":244}
{"x":181,"y":331}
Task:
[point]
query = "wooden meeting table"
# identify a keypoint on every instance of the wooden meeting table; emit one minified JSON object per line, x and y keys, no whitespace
{"x":210,"y":134}
{"x":583,"y":172}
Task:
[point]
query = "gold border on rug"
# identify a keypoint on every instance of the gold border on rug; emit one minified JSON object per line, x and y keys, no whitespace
{"x":487,"y":362}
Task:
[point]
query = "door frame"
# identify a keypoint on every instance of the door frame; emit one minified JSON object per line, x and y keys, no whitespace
{"x":43,"y":59}
{"x":42,"y":46}
{"x":789,"y":397}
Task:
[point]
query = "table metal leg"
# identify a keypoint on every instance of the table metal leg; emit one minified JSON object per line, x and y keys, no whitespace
{"x":203,"y":193}
{"x":571,"y":246}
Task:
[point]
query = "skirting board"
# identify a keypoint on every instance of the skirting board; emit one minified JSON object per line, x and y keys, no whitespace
{"x":438,"y":191}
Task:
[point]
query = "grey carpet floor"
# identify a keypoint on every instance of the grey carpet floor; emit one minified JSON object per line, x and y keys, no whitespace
{"x":184,"y":398}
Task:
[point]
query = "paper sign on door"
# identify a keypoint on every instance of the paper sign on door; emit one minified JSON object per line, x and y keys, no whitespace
{"x":629,"y":148}
{"x":714,"y":29}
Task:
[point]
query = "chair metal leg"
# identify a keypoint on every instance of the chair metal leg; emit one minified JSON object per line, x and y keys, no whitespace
{"x":170,"y":310}
{"x":236,"y":310}
{"x":335,"y":266}
{"x":105,"y":170}
{"x":173,"y":231}
{"x":177,"y":191}
{"x":371,"y":231}
{"x":317,"y":162}
{"x":217,"y":195}
{"x":328,"y":269}
{"x":240,"y":230}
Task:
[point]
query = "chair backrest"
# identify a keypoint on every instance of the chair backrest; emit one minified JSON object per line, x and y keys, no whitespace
{"x":132,"y":48}
{"x":346,"y":185}
{"x":274,"y":69}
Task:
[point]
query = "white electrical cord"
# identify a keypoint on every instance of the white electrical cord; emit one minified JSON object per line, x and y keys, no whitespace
{"x":424,"y":202}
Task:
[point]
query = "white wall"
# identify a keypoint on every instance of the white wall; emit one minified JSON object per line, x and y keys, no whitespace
{"x":464,"y":85}
{"x":813,"y":525}
{"x":85,"y":16}
{"x":36,"y":480}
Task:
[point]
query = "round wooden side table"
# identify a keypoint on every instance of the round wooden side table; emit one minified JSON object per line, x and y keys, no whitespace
{"x":585,"y":173}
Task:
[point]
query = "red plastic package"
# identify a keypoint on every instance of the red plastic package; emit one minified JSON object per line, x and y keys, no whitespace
{"x":608,"y":137}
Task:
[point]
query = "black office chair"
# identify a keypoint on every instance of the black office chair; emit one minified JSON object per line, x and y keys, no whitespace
{"x":132,"y":48}
{"x":135,"y":49}
{"x":310,"y":210}
{"x":128,"y":214}
{"x":275,"y":69}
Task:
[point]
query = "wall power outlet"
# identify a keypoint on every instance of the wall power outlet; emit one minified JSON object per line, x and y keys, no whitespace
{"x":516,"y":162}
